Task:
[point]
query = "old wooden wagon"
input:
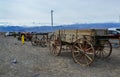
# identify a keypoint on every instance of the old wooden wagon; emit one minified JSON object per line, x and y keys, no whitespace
{"x":40,"y":39}
{"x":85,"y":45}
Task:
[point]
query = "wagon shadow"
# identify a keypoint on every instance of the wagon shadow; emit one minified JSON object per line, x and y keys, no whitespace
{"x":66,"y":54}
{"x":109,"y":62}
{"x":112,"y":61}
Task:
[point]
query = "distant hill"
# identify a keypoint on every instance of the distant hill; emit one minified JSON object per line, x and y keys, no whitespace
{"x":11,"y":28}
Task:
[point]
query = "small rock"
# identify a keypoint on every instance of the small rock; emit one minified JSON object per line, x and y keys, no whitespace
{"x":14,"y":61}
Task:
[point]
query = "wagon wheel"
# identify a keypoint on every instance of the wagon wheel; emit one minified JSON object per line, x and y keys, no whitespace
{"x":35,"y":41}
{"x":43,"y":41}
{"x":83,"y":52}
{"x":104,"y":50}
{"x":55,"y":45}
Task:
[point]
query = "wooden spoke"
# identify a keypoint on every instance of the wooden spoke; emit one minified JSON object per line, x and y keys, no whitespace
{"x":78,"y":49}
{"x":104,"y":52}
{"x":86,"y":60}
{"x":78,"y":55}
{"x":88,"y":49}
{"x":88,"y":57}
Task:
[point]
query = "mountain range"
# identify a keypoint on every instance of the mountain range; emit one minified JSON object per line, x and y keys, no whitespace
{"x":10,"y":28}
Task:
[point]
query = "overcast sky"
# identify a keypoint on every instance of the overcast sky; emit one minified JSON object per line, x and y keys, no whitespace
{"x":65,"y":11}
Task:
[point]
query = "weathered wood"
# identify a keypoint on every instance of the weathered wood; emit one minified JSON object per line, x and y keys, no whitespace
{"x":73,"y":35}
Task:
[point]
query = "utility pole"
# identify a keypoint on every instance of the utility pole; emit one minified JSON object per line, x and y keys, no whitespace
{"x":52,"y":18}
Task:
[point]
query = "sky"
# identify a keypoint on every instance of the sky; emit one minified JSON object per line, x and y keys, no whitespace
{"x":65,"y":11}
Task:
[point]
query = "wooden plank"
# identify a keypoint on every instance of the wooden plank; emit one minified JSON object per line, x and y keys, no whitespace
{"x":70,"y":35}
{"x":85,"y":32}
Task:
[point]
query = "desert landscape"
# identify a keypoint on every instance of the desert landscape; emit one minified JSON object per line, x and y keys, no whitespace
{"x":17,"y":60}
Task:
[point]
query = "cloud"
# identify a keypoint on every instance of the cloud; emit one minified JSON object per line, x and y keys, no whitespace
{"x":65,"y":11}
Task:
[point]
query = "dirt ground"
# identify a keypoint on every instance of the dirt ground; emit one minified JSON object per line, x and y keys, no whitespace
{"x":17,"y":60}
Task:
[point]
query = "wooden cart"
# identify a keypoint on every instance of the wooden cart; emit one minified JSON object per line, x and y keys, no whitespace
{"x":85,"y":45}
{"x":40,"y":41}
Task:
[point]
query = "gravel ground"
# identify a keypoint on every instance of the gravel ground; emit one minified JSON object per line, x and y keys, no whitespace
{"x":17,"y":60}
